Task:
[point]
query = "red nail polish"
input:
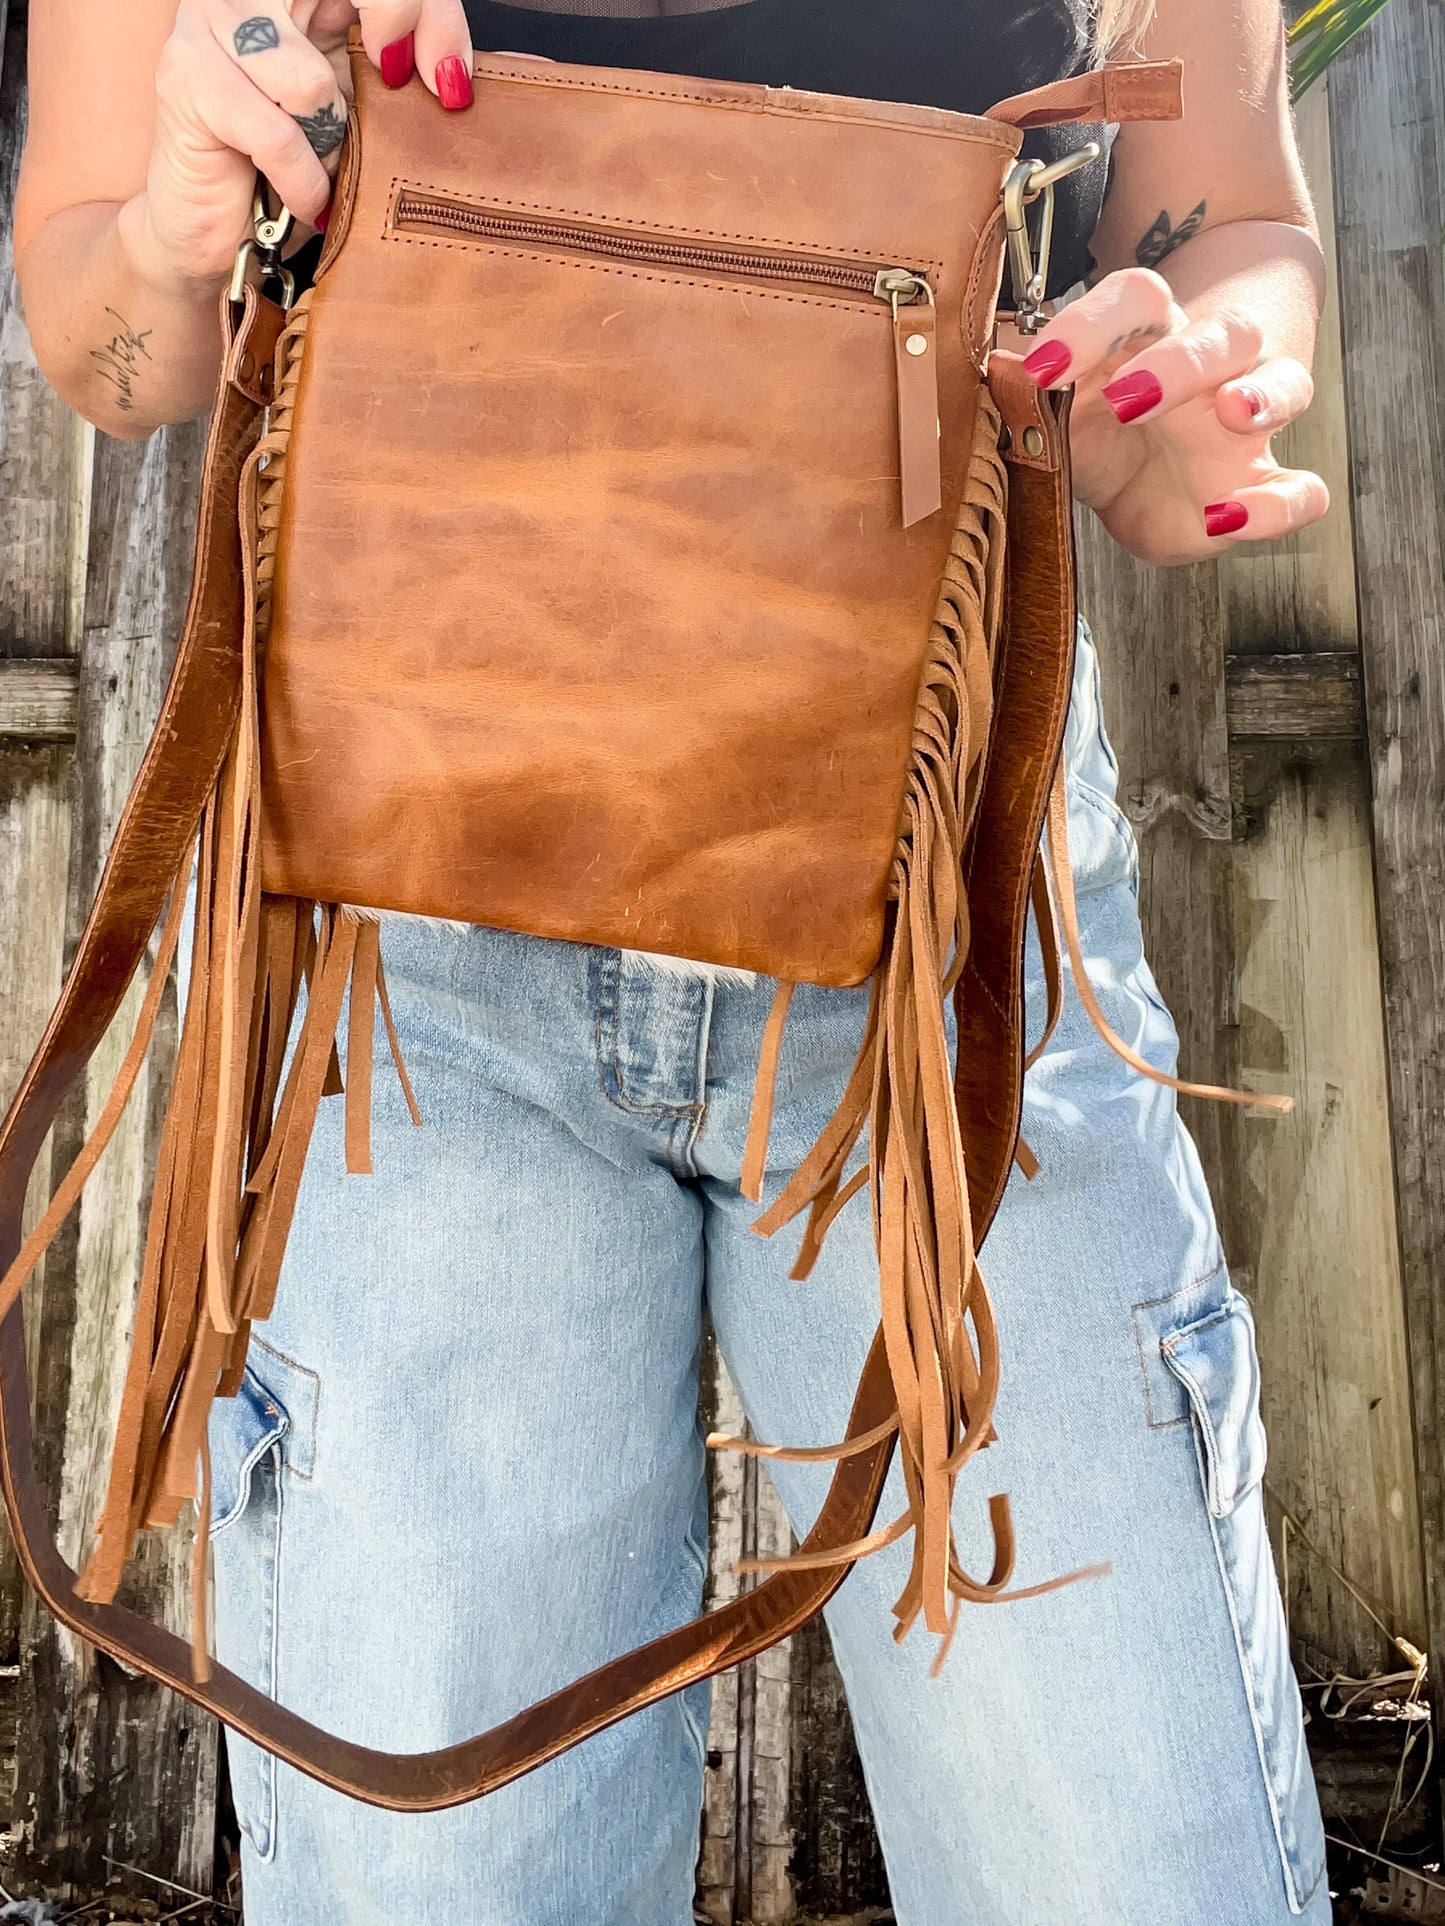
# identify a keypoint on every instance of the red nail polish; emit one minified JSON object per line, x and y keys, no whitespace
{"x":1225,"y":518}
{"x":398,"y":61}
{"x":1047,"y":362}
{"x":323,"y":219}
{"x":1134,"y":394}
{"x":454,"y":83}
{"x":1253,"y":400}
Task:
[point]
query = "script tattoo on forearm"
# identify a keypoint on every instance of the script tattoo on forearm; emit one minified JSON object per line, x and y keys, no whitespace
{"x":120,"y":359}
{"x":1163,"y":237}
{"x":259,"y":34}
{"x":325,"y":129}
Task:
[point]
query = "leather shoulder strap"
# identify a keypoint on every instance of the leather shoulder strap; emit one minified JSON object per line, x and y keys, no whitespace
{"x":1032,"y":681}
{"x":146,"y":859}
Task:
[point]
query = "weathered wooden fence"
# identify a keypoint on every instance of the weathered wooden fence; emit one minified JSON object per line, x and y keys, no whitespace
{"x":1280,"y":721}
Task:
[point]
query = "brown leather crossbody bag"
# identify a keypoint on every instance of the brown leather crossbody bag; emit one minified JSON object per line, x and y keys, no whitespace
{"x":631,"y":538}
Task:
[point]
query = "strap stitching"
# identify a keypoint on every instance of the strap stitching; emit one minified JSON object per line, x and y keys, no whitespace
{"x":981,"y":136}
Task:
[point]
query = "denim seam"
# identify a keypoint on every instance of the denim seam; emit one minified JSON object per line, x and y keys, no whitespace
{"x":609,"y":1066}
{"x":1153,"y":1304}
{"x":1169,"y":1348}
{"x":1294,"y":1898}
{"x":303,"y":1371}
{"x":243,"y":1477}
{"x":271,"y":1634}
{"x":684,"y":1159}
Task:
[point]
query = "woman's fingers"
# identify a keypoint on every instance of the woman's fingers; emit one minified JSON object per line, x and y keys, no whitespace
{"x":1196,"y":361}
{"x":214,"y":128}
{"x":444,"y":52}
{"x":276,"y":57}
{"x":1123,"y":312}
{"x":1291,"y":499}
{"x":427,"y":37}
{"x":388,"y":33}
{"x":1267,"y":398}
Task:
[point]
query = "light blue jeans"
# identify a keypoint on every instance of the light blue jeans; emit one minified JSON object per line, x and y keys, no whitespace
{"x":466,"y":1464}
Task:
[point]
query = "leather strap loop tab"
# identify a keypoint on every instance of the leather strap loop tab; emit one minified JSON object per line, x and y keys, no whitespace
{"x":1035,"y":435}
{"x":251,"y":355}
{"x":1122,"y":91}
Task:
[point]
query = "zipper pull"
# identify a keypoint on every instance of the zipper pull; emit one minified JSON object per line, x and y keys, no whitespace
{"x":915,"y":359}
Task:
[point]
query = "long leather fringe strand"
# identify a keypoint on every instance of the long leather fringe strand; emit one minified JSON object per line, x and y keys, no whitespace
{"x":938,"y":1322}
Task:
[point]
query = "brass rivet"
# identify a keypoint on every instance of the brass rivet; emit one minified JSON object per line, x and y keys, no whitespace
{"x":1033,"y":442}
{"x":917,"y":344}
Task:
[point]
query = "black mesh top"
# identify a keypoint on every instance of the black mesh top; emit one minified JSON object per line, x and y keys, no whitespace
{"x":960,"y":54}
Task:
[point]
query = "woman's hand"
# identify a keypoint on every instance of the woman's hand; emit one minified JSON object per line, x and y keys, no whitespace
{"x":1172,"y":419}
{"x":248,"y":84}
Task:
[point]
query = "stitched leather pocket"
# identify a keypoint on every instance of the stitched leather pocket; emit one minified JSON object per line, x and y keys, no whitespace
{"x":1215,"y":1361}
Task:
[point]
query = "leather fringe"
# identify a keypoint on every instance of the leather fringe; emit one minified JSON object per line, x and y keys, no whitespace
{"x":938,"y":1322}
{"x":243,"y":1100}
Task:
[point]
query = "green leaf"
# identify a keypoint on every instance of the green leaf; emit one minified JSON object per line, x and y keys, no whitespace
{"x":1321,"y":33}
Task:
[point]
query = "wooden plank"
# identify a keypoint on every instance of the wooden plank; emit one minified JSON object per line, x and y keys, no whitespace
{"x":717,"y":1870}
{"x":1387,"y":102}
{"x":1310,"y":1213}
{"x":37,"y":700}
{"x":1303,"y":697}
{"x":837,"y":1860}
{"x":41,"y":535}
{"x":42,"y":519}
{"x":747,"y":1840}
{"x":34,"y":850}
{"x":120,"y":1767}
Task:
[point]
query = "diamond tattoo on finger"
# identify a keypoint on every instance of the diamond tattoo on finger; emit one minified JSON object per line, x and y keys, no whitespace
{"x":325,"y":129}
{"x":259,"y":34}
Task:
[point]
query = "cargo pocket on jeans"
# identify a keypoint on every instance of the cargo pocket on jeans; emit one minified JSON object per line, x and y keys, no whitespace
{"x":1216,"y":1363}
{"x":267,"y":1427}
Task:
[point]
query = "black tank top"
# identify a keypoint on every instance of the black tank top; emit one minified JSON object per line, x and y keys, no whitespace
{"x":960,"y":54}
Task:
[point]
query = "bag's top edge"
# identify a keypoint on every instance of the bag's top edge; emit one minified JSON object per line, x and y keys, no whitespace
{"x":739,"y":96}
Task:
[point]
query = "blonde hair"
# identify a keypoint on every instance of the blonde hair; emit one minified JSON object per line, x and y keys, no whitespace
{"x":1119,"y":24}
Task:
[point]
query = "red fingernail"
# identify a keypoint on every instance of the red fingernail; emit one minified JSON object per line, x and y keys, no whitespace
{"x":1134,"y":394}
{"x":1253,"y":400}
{"x":454,"y":83}
{"x":323,"y":219}
{"x":1225,"y":518}
{"x":398,"y":61}
{"x":1048,"y":362}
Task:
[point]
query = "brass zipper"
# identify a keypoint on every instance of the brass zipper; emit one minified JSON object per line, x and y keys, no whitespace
{"x":907,"y":293}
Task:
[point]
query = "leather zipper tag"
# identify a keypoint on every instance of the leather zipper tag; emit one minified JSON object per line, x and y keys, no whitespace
{"x":915,"y":355}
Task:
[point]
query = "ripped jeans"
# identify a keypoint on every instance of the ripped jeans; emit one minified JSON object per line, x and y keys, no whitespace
{"x":466,"y":1465}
